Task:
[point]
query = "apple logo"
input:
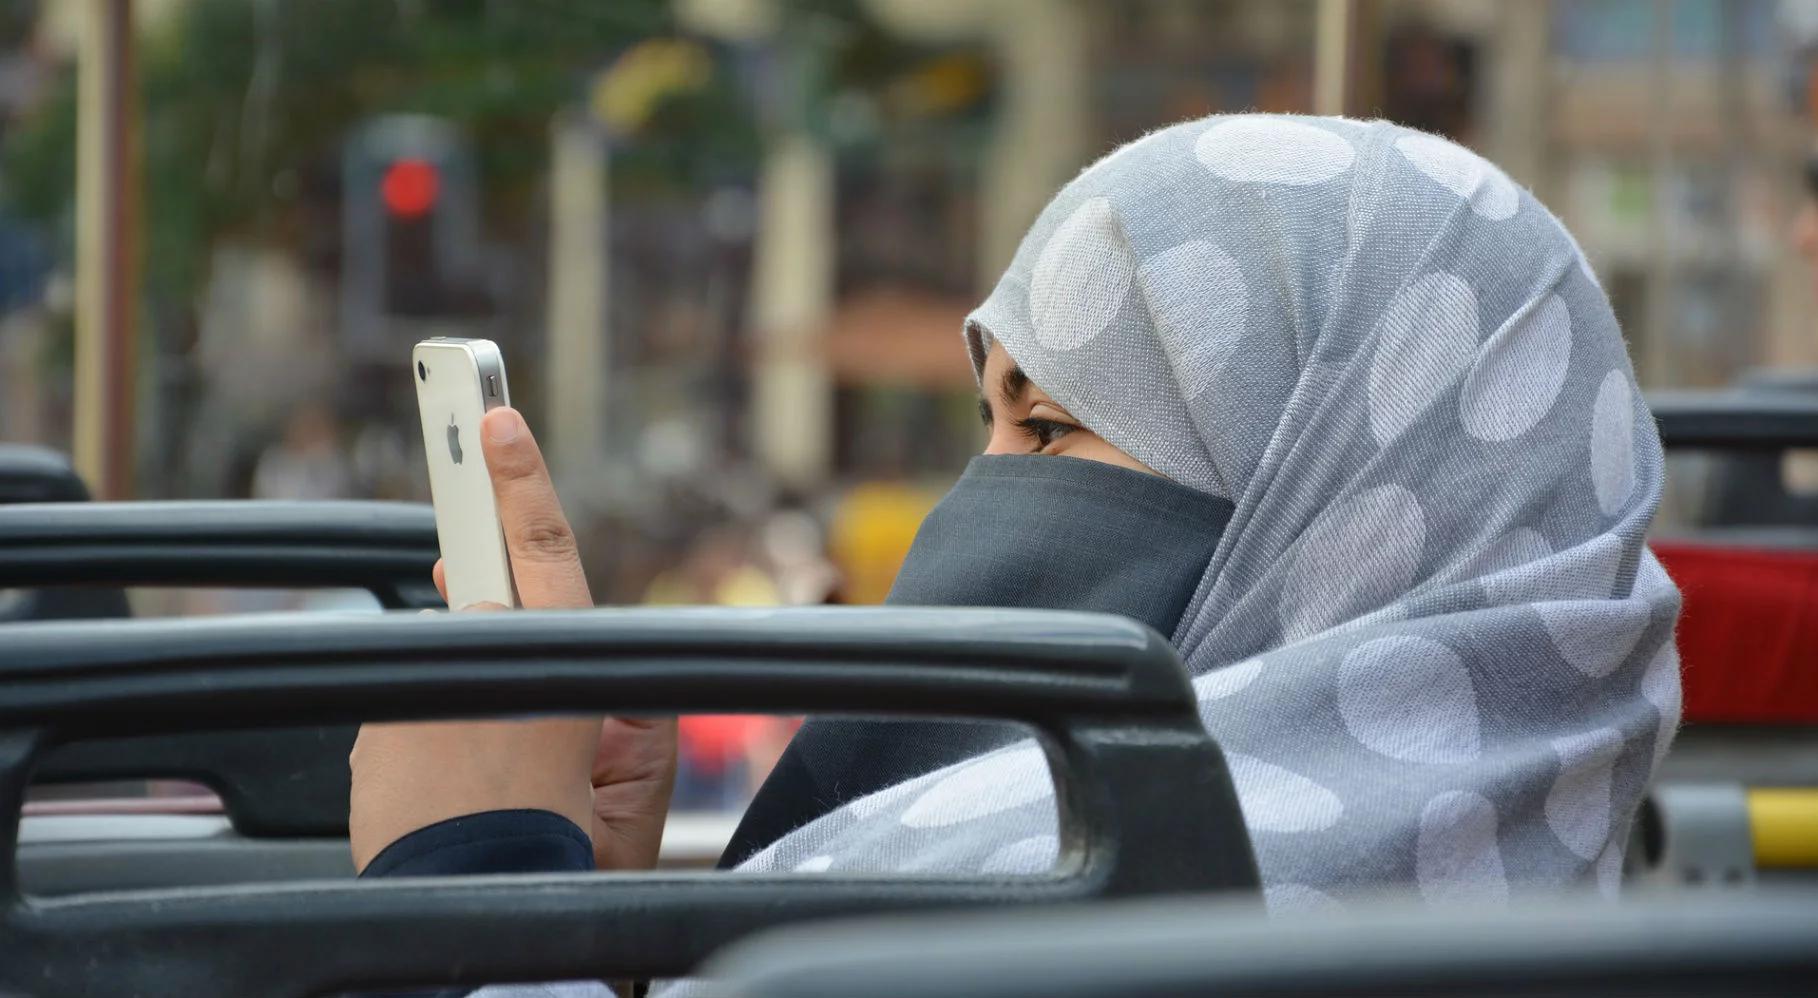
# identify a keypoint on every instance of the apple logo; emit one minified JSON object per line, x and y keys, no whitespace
{"x":454,"y":440}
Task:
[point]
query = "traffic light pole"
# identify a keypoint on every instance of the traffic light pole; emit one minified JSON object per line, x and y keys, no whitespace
{"x":107,"y":257}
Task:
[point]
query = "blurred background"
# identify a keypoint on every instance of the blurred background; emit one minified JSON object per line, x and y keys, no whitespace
{"x":726,"y":245}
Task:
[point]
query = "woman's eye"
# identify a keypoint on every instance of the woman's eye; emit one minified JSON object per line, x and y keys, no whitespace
{"x":1044,"y":432}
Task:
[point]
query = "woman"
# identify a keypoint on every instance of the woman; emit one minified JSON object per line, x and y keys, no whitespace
{"x":1339,"y":408}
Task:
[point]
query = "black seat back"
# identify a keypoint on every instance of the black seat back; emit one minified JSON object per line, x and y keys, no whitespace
{"x":284,"y":782}
{"x":1146,"y":803}
{"x":1753,"y":425}
{"x":1764,"y":946}
{"x":39,"y":475}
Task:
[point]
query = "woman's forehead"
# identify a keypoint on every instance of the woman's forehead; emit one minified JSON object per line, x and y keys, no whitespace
{"x":1003,"y":379}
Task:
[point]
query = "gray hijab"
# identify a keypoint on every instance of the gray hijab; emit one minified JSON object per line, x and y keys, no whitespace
{"x":1431,"y":641}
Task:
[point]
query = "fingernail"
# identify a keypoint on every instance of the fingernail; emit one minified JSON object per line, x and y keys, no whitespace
{"x":504,"y":425}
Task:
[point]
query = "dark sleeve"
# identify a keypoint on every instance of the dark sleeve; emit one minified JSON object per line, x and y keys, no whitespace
{"x":520,"y":841}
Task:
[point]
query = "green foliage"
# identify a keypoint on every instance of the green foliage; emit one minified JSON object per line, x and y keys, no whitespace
{"x":245,"y":99}
{"x":38,"y":166}
{"x":246,"y":102}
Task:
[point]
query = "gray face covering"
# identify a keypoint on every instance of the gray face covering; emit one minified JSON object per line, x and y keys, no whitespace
{"x":1016,"y":531}
{"x":1064,"y":534}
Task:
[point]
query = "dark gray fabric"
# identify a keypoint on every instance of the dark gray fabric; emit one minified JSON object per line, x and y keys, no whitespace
{"x":1030,"y":531}
{"x":515,"y":840}
{"x":1016,"y":530}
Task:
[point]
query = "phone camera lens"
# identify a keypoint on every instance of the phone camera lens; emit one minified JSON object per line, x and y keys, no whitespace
{"x":422,"y":372}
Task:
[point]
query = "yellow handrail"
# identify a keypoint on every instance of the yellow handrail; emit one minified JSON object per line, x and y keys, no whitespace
{"x":1784,"y":825}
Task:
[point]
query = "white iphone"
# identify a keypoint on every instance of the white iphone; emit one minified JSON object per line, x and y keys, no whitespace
{"x":458,"y":380}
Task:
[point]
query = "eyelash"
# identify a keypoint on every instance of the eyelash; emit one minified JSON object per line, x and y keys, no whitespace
{"x":1044,"y":431}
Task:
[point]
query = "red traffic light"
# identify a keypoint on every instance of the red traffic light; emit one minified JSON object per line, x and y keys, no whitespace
{"x":410,"y":187}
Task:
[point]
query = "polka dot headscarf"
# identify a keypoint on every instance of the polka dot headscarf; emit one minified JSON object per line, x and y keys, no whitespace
{"x":1431,"y":640}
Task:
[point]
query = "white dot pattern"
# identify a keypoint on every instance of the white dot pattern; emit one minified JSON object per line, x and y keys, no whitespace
{"x":1377,"y":536}
{"x":1464,"y":173}
{"x":888,"y":798}
{"x":1035,"y":854}
{"x":1257,"y":149}
{"x":1199,"y":302}
{"x":1516,"y":549}
{"x":1594,"y":638}
{"x":1457,"y":855}
{"x":1589,"y":570}
{"x":998,"y":782}
{"x":1428,"y":337}
{"x":1409,"y":698}
{"x":1518,"y":373}
{"x":1609,"y":871}
{"x":1651,"y":576}
{"x":1277,"y":800}
{"x":1578,"y":806}
{"x":1613,"y":443}
{"x":1082,"y":277}
{"x":1457,"y":858}
{"x":1227,"y":680}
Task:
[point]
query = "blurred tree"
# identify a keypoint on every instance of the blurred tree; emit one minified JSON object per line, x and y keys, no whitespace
{"x":245,"y":99}
{"x":246,"y":103}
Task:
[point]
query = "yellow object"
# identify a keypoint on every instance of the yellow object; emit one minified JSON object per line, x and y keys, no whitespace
{"x":1784,"y":825}
{"x":742,"y":586}
{"x":747,"y":586}
{"x":650,"y":72}
{"x":871,"y":533}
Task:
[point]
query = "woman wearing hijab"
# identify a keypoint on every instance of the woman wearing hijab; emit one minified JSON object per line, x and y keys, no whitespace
{"x":1336,"y":406}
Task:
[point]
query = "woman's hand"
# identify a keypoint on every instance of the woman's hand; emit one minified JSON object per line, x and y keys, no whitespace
{"x":611,"y":777}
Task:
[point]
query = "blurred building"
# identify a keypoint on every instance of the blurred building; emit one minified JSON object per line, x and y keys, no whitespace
{"x":1669,"y":136}
{"x":727,"y":244}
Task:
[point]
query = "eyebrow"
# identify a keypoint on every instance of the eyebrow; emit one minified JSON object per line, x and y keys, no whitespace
{"x":1013,"y":384}
{"x":1010,"y":390}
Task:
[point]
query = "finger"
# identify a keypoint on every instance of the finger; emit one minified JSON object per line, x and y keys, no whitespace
{"x":544,"y":561}
{"x":439,"y":574}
